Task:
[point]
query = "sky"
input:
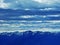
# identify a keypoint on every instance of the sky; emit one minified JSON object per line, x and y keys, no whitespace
{"x":29,"y":4}
{"x":13,"y":21}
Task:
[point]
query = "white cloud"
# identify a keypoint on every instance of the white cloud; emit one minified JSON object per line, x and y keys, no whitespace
{"x":42,"y":30}
{"x":54,"y":21}
{"x":53,"y":15}
{"x":48,"y":9}
{"x":33,"y":26}
{"x":3,"y":5}
{"x":27,"y":9}
{"x":27,"y":16}
{"x":2,"y":20}
{"x":29,"y":4}
{"x":49,"y":2}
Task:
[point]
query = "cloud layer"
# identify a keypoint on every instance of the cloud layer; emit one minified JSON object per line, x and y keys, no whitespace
{"x":30,"y":22}
{"x":29,"y":4}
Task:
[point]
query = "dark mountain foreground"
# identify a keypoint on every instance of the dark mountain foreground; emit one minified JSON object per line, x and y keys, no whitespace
{"x":30,"y":38}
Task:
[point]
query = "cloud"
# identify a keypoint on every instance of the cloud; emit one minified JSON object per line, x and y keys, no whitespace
{"x":53,"y":15}
{"x":48,"y":9}
{"x":44,"y":1}
{"x":27,"y":16}
{"x":29,"y":4}
{"x":3,"y":5}
{"x":48,"y":2}
{"x":21,"y":4}
{"x":30,"y":25}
